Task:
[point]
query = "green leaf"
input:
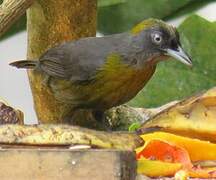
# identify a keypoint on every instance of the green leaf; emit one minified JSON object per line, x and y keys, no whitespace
{"x":133,"y":127}
{"x":189,"y":9}
{"x":102,"y":3}
{"x":174,"y":80}
{"x":121,"y":17}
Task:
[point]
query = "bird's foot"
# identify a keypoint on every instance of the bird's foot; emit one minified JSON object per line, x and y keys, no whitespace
{"x":102,"y":120}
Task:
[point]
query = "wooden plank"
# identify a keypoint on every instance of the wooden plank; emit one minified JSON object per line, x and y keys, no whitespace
{"x":65,"y":164}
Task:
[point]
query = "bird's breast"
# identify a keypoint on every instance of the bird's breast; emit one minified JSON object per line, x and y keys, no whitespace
{"x":116,"y":83}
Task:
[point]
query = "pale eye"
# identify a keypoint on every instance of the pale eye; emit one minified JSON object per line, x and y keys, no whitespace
{"x":157,"y":38}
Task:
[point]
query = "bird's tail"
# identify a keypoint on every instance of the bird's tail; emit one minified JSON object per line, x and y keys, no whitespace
{"x":26,"y":64}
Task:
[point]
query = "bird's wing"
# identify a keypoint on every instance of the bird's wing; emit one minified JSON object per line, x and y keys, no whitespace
{"x":79,"y":60}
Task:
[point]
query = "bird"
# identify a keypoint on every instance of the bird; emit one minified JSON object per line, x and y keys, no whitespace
{"x":98,"y":73}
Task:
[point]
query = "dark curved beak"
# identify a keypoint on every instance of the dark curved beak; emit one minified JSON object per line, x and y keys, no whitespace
{"x":179,"y":55}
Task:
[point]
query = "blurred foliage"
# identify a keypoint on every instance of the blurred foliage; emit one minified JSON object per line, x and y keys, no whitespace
{"x":190,"y":8}
{"x":20,"y":25}
{"x":121,"y":17}
{"x":174,"y":80}
{"x":102,"y":3}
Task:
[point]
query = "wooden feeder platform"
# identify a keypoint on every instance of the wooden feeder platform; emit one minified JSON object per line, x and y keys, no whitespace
{"x":65,"y":164}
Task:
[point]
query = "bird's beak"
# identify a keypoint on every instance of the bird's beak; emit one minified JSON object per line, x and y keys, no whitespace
{"x":179,"y":55}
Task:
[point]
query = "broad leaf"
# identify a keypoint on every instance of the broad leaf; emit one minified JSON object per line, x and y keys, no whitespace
{"x":122,"y":17}
{"x":174,"y":80}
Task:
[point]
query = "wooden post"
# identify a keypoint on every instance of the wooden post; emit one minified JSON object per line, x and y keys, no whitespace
{"x":59,"y":164}
{"x":49,"y":23}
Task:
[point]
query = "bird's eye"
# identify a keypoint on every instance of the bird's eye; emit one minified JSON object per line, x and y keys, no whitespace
{"x":157,"y":38}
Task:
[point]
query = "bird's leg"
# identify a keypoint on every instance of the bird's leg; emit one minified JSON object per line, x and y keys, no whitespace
{"x":100,"y":117}
{"x":86,"y":118}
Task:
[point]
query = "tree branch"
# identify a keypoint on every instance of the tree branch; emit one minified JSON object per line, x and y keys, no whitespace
{"x":10,"y":11}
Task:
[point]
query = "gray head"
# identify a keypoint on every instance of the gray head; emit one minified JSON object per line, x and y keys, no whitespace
{"x":157,"y":39}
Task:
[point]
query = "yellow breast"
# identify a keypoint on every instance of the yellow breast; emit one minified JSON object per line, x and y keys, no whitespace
{"x":117,"y":83}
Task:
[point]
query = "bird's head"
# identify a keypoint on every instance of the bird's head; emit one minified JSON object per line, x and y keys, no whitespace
{"x":158,"y":39}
